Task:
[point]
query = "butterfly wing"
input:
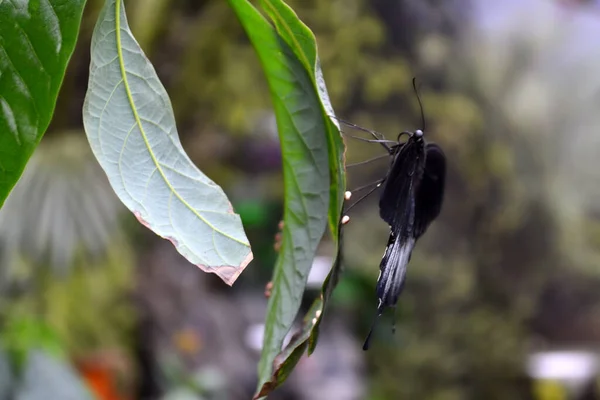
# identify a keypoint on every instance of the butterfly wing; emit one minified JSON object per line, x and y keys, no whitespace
{"x":393,"y":271}
{"x":430,"y":191}
{"x":392,"y":275}
{"x":411,"y":199}
{"x":397,"y":201}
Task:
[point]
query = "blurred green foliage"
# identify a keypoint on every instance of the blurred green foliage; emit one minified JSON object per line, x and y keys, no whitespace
{"x":22,"y":333}
{"x":85,"y":311}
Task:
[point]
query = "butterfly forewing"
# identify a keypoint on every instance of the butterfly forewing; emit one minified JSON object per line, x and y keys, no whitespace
{"x":397,"y":201}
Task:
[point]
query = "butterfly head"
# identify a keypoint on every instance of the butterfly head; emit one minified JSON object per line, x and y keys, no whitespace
{"x":417,"y":135}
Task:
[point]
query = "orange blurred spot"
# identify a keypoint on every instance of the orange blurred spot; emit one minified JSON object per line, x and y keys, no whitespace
{"x":100,"y":372}
{"x":188,"y":341}
{"x":100,"y":381}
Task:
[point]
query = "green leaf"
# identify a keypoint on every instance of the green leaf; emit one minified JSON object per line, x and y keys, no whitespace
{"x":303,"y":42}
{"x":130,"y":124}
{"x":307,"y":336}
{"x":288,"y":56}
{"x":37,"y":39}
{"x":300,"y":38}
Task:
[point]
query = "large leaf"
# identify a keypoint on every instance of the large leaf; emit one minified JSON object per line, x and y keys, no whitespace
{"x":36,"y":41}
{"x":129,"y":121}
{"x":302,"y":107}
{"x":302,"y":41}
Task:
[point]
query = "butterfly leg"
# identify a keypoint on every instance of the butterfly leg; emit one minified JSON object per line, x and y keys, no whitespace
{"x":376,"y":185}
{"x":368,"y":161}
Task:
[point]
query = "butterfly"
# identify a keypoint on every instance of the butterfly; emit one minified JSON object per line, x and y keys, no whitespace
{"x":411,"y":198}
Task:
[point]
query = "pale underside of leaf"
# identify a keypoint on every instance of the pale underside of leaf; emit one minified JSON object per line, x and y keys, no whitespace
{"x":129,"y":121}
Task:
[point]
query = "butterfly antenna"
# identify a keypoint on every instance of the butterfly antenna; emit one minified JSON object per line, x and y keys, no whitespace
{"x":420,"y":103}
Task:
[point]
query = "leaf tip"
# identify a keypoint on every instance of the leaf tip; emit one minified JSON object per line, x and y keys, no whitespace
{"x":228,"y":273}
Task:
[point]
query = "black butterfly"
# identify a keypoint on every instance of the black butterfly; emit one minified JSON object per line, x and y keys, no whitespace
{"x":412,"y":196}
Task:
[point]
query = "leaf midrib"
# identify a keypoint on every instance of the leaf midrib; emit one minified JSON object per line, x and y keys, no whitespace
{"x":143,"y":132}
{"x":292,"y":37}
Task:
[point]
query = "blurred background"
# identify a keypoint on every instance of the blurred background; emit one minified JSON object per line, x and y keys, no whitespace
{"x":503,"y":293}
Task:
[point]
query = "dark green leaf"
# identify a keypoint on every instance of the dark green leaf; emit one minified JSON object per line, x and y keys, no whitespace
{"x":288,"y":55}
{"x":130,"y":124}
{"x":36,"y":41}
{"x":302,"y":41}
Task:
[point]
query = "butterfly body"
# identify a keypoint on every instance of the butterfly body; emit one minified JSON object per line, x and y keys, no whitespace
{"x":411,"y":199}
{"x":397,"y":194}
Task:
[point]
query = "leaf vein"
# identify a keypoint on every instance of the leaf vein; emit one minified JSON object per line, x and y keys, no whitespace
{"x":143,"y":133}
{"x":102,"y":116}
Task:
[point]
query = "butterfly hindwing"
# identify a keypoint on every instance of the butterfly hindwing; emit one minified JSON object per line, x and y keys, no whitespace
{"x":430,"y":191}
